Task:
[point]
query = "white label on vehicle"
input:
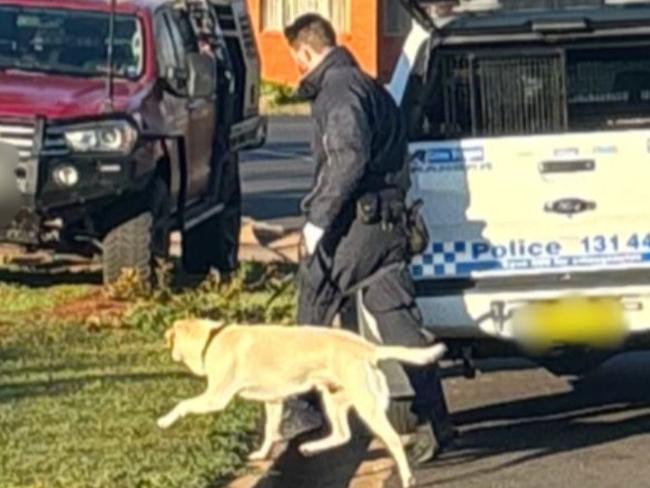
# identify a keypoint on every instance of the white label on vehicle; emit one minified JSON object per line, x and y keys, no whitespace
{"x":468,"y":258}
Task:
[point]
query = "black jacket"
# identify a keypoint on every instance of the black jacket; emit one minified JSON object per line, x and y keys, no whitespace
{"x":359,"y":139}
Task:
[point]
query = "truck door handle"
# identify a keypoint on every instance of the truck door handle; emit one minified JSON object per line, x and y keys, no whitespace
{"x":547,"y":167}
{"x":569,"y":206}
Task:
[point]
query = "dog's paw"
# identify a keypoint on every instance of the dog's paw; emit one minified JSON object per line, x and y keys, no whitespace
{"x":306,"y":450}
{"x":257,"y":456}
{"x":166,"y":421}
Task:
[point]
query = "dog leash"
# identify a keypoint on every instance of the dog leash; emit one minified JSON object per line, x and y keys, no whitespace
{"x":376,"y":276}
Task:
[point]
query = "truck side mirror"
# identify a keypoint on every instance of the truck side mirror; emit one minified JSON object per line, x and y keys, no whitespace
{"x":202,"y":81}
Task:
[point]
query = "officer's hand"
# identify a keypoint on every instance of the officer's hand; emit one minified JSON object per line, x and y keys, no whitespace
{"x":311,"y":236}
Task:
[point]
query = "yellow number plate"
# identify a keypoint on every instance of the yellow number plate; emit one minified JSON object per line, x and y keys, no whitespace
{"x":573,"y":321}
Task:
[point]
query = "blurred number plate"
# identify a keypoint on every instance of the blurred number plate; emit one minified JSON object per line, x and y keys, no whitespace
{"x":574,"y":321}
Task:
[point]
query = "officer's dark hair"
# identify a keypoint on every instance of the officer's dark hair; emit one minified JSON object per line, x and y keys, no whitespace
{"x":313,"y":30}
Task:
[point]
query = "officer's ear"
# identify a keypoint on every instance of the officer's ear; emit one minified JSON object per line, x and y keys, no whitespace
{"x":306,"y":53}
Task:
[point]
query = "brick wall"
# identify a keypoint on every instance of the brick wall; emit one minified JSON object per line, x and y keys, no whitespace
{"x":362,"y":40}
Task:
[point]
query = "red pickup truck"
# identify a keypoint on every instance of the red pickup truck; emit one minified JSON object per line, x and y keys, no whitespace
{"x":121,"y":121}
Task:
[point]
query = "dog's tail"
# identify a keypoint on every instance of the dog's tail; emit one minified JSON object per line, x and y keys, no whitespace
{"x":415,"y":356}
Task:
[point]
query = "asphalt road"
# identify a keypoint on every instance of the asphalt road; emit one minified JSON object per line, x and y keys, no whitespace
{"x":277,"y":176}
{"x":521,"y":426}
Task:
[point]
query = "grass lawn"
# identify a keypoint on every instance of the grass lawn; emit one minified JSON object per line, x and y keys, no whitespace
{"x":78,"y":405}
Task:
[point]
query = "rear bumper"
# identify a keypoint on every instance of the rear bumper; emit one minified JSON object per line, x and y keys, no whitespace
{"x":488,"y":314}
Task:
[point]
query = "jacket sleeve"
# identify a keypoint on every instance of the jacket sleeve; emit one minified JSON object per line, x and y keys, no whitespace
{"x":346,"y":141}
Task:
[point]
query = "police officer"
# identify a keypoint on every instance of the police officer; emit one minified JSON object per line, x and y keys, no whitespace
{"x":355,"y":231}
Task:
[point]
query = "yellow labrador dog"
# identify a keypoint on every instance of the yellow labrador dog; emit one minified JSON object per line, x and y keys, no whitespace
{"x":270,"y":363}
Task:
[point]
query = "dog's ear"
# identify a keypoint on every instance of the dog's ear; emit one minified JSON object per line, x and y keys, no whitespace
{"x":184,"y":326}
{"x":181,"y":329}
{"x":196,"y":328}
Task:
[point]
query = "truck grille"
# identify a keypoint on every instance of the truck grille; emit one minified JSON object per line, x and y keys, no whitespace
{"x":55,"y":144}
{"x":19,"y":135}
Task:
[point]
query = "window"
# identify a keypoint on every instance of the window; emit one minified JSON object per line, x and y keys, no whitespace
{"x":608,"y":87}
{"x":69,"y":42}
{"x":276,"y":14}
{"x":167,"y":55}
{"x":175,"y":39}
{"x":182,"y":26}
{"x":396,"y":20}
{"x":485,"y":93}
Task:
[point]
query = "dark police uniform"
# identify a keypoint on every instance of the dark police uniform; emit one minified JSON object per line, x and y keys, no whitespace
{"x":358,"y":198}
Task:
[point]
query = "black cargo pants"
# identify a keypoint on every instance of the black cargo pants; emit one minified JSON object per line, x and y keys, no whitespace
{"x":345,"y":259}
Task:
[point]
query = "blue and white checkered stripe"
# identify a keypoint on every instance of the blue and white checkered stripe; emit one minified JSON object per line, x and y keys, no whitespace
{"x":460,"y":259}
{"x":451,"y":259}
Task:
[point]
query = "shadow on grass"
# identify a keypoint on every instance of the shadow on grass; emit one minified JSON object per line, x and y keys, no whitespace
{"x":42,"y":277}
{"x":12,"y":392}
{"x":47,"y":275}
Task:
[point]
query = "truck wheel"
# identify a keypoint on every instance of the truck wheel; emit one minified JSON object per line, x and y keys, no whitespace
{"x":139,"y":242}
{"x":215,"y":242}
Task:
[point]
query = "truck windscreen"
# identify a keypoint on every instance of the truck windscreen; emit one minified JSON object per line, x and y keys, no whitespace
{"x":68,"y":42}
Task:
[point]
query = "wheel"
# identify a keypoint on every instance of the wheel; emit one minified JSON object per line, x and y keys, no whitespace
{"x":139,"y":242}
{"x":215,"y":242}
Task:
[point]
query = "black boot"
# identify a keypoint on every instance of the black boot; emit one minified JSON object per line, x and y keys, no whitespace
{"x":300,"y":416}
{"x":427,"y":445}
{"x":434,"y":431}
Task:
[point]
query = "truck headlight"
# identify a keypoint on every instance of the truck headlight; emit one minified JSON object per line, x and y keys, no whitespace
{"x":116,"y":136}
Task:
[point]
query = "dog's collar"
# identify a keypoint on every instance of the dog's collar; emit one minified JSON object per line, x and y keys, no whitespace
{"x":213,"y":333}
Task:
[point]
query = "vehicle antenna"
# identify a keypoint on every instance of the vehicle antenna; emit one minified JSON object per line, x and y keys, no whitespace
{"x":109,"y":54}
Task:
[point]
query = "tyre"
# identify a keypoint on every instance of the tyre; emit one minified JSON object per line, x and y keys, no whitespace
{"x":215,"y":242}
{"x":139,"y":242}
